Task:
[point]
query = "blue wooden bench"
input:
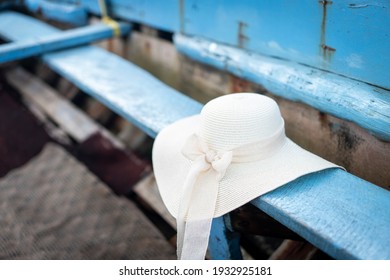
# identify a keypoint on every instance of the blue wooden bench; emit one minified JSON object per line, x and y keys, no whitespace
{"x":343,"y":215}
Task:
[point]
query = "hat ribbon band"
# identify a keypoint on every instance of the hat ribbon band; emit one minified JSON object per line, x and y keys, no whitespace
{"x":260,"y":150}
{"x":193,"y":230}
{"x":200,"y":190}
{"x":194,"y":223}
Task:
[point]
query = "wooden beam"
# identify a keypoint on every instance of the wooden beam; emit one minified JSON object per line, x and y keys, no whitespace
{"x":58,"y":41}
{"x":61,"y":111}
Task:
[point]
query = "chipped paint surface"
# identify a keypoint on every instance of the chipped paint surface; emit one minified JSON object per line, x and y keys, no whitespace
{"x":241,"y":37}
{"x":326,"y":51}
{"x":324,"y":35}
{"x":64,"y":11}
{"x":58,"y":41}
{"x":149,"y":103}
{"x":339,"y":203}
{"x":366,"y":105}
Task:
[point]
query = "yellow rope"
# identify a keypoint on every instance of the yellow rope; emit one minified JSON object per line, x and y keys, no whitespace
{"x":107,"y":20}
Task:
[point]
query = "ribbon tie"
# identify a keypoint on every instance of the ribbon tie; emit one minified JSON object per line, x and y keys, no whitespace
{"x":199,"y":196}
{"x":198,"y":152}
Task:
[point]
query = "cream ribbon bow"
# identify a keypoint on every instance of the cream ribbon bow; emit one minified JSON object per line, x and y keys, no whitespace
{"x":199,"y":196}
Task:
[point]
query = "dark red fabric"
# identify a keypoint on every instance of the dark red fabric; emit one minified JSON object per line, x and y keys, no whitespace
{"x":117,"y":168}
{"x":21,"y":135}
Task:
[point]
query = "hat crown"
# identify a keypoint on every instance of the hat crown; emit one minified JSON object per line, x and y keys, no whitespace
{"x":234,"y":120}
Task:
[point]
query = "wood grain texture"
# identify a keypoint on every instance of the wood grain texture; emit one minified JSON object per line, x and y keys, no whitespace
{"x":138,"y":97}
{"x":61,"y":111}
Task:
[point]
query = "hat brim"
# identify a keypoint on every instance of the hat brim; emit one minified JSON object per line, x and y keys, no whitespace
{"x":242,"y":182}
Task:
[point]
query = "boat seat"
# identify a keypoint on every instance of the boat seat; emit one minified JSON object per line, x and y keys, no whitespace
{"x":343,"y":215}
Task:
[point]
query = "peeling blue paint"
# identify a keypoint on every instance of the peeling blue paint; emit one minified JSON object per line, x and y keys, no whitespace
{"x":63,"y":11}
{"x":321,"y":208}
{"x":353,"y":28}
{"x":364,"y":104}
{"x":125,"y":88}
{"x":57,"y":41}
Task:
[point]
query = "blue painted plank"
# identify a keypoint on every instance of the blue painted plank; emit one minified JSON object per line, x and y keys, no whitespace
{"x":57,"y":41}
{"x":348,"y":99}
{"x":125,"y":88}
{"x":341,"y":214}
{"x":223,"y":243}
{"x":65,"y":11}
{"x":356,"y":33}
{"x":13,"y":25}
{"x":344,"y":37}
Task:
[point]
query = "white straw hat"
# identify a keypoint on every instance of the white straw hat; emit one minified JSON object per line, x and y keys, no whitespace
{"x":209,"y":164}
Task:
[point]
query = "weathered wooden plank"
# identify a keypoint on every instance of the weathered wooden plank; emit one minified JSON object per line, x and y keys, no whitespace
{"x":61,"y":111}
{"x":62,"y":40}
{"x":69,"y":12}
{"x":148,"y":191}
{"x":332,"y":138}
{"x":223,"y":243}
{"x":139,"y":97}
{"x":13,"y":25}
{"x":351,"y":39}
{"x":341,"y":214}
{"x":364,"y":104}
{"x":80,"y":127}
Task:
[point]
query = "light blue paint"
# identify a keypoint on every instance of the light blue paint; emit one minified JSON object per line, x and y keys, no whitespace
{"x":64,"y":11}
{"x":348,"y":99}
{"x":156,"y":13}
{"x":125,"y":88}
{"x":289,"y":29}
{"x":57,"y":41}
{"x":13,"y":25}
{"x":223,"y":244}
{"x":361,"y":37}
{"x":32,"y":5}
{"x":343,"y":215}
{"x":294,"y":30}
